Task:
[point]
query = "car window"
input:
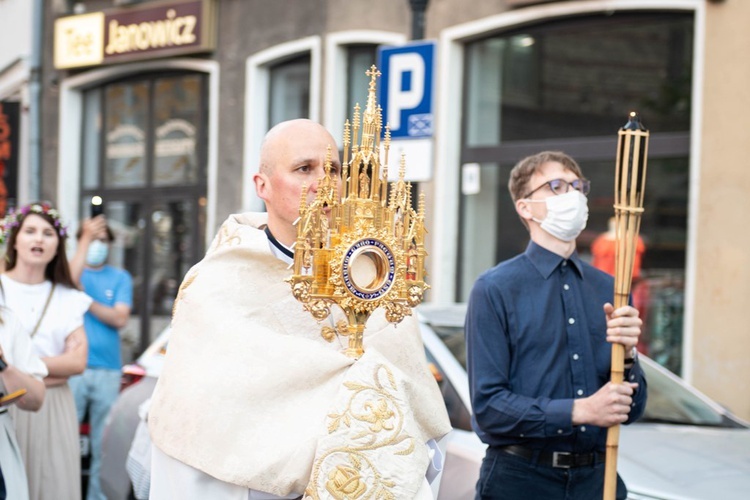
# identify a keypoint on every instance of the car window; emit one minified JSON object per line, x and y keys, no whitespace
{"x":671,"y":401}
{"x":457,"y":412}
{"x":453,"y":338}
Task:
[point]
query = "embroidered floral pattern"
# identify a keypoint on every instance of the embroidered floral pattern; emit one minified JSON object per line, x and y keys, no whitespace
{"x":225,"y":238}
{"x":373,"y":421}
{"x":345,"y":482}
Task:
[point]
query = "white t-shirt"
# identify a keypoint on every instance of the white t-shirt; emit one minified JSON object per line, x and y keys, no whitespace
{"x":64,"y":313}
{"x":17,"y":347}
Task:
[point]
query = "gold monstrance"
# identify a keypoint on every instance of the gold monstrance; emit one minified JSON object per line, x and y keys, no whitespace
{"x":365,"y":250}
{"x":630,"y":187}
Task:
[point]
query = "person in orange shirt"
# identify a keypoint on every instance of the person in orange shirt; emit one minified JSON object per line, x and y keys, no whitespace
{"x":603,"y":257}
{"x":603,"y":251}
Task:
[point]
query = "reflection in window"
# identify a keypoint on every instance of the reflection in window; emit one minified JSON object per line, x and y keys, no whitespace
{"x":579,"y":77}
{"x":669,"y":401}
{"x":289,"y":89}
{"x":359,"y":58}
{"x":92,"y":127}
{"x":126,"y":111}
{"x":171,"y":251}
{"x":177,"y":101}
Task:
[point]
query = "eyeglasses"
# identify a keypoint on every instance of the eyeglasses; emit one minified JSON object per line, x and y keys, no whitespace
{"x":561,"y":186}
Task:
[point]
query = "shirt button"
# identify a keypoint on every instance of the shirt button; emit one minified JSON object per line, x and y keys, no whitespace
{"x":583,"y":428}
{"x":521,"y":435}
{"x":559,"y":431}
{"x":575,"y":357}
{"x":571,"y":320}
{"x":632,"y":377}
{"x":565,"y":263}
{"x":580,"y":392}
{"x":566,"y":287}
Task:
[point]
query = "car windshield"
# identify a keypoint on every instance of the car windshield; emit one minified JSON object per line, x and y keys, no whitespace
{"x":670,"y":399}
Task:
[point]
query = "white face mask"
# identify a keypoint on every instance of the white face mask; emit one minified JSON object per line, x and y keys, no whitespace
{"x":566,"y":215}
{"x":97,"y":253}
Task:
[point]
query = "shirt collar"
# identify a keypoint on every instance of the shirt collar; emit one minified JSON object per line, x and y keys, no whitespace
{"x":546,"y":262}
{"x":278,"y":249}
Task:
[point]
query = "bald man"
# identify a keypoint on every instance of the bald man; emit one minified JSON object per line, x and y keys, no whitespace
{"x":240,"y":409}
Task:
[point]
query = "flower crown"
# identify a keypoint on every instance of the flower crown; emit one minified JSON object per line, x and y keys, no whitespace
{"x":15,"y":217}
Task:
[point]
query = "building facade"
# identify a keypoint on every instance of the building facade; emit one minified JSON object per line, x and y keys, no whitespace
{"x":16,"y":66}
{"x":159,"y":107}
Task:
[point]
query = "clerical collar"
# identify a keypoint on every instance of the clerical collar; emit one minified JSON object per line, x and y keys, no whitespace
{"x":278,"y":247}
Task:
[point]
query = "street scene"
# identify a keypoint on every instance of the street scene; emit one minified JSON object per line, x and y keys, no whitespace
{"x":313,"y":249}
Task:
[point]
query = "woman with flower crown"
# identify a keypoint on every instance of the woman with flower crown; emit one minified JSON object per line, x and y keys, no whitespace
{"x":38,"y":288}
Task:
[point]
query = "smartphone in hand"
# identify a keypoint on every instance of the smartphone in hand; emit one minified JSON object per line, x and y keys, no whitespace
{"x":97,"y":206}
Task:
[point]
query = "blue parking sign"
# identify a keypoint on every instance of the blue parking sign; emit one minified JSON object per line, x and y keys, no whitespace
{"x":406,"y":88}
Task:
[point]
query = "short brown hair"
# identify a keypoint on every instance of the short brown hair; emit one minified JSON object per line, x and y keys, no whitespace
{"x":524,"y":169}
{"x":110,"y":234}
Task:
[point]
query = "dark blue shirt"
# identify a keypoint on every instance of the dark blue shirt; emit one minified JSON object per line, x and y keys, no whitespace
{"x":536,"y":340}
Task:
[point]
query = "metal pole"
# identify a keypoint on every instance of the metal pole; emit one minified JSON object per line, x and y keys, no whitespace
{"x":418,"y":8}
{"x":35,"y":100}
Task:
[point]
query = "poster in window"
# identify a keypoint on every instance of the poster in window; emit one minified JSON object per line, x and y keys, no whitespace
{"x":9,"y":131}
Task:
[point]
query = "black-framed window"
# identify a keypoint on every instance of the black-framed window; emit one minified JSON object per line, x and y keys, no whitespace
{"x":144,"y":152}
{"x":568,"y":84}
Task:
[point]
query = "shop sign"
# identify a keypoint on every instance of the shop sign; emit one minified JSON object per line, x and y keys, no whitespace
{"x":135,"y":33}
{"x":9,"y":120}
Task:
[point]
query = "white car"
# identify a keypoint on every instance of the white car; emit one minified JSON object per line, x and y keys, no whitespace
{"x":685,"y":446}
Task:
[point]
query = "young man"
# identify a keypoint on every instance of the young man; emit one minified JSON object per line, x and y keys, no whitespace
{"x":538,"y":329}
{"x":240,"y":410}
{"x":112,"y":290}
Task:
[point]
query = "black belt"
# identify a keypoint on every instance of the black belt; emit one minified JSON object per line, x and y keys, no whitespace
{"x":558,"y":459}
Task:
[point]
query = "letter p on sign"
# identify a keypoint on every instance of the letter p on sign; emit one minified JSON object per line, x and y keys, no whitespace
{"x":406,"y":89}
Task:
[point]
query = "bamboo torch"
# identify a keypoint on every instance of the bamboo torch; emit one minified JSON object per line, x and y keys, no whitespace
{"x":630,"y":186}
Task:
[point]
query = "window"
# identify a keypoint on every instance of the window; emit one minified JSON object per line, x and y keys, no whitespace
{"x":359,"y":58}
{"x":569,"y":84}
{"x":289,"y":90}
{"x":144,"y":153}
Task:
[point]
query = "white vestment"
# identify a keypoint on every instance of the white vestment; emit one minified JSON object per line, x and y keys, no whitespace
{"x":252,"y":395}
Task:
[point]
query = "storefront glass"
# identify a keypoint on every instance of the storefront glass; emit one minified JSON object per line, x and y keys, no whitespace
{"x":148,"y":163}
{"x":568,"y":85}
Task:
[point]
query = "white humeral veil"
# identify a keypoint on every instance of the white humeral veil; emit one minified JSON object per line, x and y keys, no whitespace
{"x":251,"y":394}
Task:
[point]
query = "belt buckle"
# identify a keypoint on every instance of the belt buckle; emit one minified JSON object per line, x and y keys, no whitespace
{"x":556,"y":459}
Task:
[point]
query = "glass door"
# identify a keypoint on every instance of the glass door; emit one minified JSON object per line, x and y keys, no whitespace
{"x":144,"y":153}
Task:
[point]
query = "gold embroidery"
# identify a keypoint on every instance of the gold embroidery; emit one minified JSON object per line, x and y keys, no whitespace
{"x":345,"y":482}
{"x":374,"y":420}
{"x":183,"y":286}
{"x":224,"y":237}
